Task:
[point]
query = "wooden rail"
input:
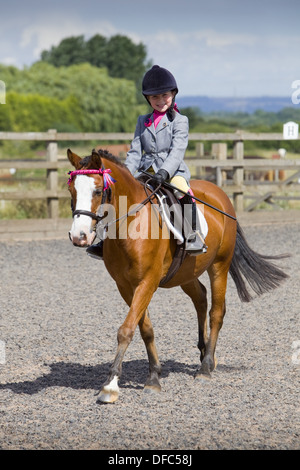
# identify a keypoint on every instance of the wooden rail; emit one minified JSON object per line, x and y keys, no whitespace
{"x":236,"y":188}
{"x":53,"y":135}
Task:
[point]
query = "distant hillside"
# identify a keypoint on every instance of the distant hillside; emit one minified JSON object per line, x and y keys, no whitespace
{"x":234,"y":105}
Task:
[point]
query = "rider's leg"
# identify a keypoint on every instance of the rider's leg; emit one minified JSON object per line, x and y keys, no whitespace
{"x":194,"y":238}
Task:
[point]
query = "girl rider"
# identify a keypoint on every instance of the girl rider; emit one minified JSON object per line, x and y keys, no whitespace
{"x":158,"y":147}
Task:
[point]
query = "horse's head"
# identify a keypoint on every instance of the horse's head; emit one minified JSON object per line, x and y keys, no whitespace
{"x":87,"y":185}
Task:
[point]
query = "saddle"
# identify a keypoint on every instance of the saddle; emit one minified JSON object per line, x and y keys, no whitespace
{"x":175,"y":223}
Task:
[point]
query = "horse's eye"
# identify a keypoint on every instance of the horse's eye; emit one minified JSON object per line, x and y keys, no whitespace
{"x":98,"y":192}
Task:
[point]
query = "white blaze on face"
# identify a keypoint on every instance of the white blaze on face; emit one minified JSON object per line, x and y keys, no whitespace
{"x":82,"y":233}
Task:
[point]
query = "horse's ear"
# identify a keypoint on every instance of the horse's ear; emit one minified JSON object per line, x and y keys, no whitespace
{"x":97,"y":162}
{"x":74,"y":159}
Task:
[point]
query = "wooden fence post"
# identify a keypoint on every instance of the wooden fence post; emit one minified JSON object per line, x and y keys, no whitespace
{"x":238,"y":176}
{"x":200,"y":170}
{"x":219,"y":151}
{"x":52,"y":176}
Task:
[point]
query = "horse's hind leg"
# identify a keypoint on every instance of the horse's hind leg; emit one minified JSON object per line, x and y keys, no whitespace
{"x":218,"y":279}
{"x":197,"y":292}
{"x":146,"y":329}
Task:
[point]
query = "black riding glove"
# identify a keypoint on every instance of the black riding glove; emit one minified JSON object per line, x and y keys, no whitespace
{"x":161,"y":176}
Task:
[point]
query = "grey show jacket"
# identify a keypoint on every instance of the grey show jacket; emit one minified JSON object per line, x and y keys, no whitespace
{"x":163,"y":147}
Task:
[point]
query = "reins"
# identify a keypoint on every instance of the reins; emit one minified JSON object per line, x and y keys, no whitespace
{"x":168,"y":185}
{"x":135,"y":210}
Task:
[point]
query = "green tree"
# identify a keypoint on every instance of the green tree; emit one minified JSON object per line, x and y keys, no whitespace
{"x":37,"y":113}
{"x":96,"y":51}
{"x":126,"y":59}
{"x":6,"y":118}
{"x":100,"y":103}
{"x":122,"y":57}
{"x":194,"y":114}
{"x":70,"y":51}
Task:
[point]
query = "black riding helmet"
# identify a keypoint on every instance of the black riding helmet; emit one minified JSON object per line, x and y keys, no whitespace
{"x":157,"y":81}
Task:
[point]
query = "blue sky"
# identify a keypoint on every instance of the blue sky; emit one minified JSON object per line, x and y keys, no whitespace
{"x":213,"y":47}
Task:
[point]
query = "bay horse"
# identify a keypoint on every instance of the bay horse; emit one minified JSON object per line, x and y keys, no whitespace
{"x":138,"y":264}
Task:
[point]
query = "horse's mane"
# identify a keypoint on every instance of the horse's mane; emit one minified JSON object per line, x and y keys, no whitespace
{"x":108,"y":156}
{"x":86,"y":161}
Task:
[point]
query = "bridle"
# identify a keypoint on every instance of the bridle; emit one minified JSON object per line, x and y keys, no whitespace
{"x":98,"y":218}
{"x":107,"y":181}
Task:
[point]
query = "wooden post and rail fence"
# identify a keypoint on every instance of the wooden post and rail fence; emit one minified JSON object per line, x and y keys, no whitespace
{"x":238,"y":187}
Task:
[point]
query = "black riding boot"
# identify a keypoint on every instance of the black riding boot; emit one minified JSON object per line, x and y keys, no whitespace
{"x":194,"y":244}
{"x":96,"y":251}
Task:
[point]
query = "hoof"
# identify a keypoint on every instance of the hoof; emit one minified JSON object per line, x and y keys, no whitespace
{"x":203,"y":374}
{"x":152,"y":384}
{"x":109,"y":392}
{"x":207,"y":366}
{"x":151,"y":389}
{"x":202,"y":378}
{"x":107,"y":397}
{"x":149,"y":394}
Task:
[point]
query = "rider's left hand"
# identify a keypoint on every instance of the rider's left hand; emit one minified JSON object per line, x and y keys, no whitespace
{"x":161,"y":176}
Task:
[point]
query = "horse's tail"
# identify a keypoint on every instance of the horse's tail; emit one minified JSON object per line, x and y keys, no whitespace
{"x":261,"y":275}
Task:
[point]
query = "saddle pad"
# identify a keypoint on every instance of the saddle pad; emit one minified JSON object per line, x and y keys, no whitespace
{"x":203,"y":223}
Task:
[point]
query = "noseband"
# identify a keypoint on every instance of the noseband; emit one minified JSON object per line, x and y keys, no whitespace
{"x":88,"y":213}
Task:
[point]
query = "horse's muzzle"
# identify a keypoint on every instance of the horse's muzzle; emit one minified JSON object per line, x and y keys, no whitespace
{"x":82,"y":240}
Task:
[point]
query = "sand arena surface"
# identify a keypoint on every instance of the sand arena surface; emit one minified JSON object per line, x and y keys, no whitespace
{"x":59,"y":315}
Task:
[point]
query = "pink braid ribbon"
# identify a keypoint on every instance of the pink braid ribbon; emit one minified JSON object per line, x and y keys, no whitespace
{"x":107,"y":178}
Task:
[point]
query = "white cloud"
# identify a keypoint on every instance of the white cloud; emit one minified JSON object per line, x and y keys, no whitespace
{"x":208,"y":38}
{"x":215,"y":63}
{"x":42,"y":36}
{"x":9,"y":61}
{"x":216,"y":39}
{"x":204,"y":60}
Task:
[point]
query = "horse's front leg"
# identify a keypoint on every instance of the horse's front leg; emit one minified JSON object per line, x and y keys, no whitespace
{"x":141,"y":298}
